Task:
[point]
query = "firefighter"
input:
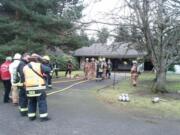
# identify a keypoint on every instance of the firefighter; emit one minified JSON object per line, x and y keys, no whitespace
{"x":48,"y":76}
{"x":109,"y":68}
{"x":86,"y":68}
{"x":6,"y":78}
{"x":35,"y":88}
{"x":92,"y":68}
{"x":134,"y":73}
{"x":104,"y":68}
{"x":23,"y":101}
{"x":13,"y":70}
{"x":99,"y":69}
{"x":69,"y":68}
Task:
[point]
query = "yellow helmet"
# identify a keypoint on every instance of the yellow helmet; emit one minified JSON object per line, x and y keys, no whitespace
{"x":46,"y":58}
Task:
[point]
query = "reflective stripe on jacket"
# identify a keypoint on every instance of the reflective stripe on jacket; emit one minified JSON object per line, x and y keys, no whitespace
{"x":33,"y":82}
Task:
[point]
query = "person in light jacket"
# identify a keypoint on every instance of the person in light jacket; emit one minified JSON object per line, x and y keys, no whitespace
{"x":13,"y":71}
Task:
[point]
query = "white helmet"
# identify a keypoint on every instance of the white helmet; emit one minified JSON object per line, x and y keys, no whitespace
{"x":17,"y":56}
{"x":87,"y":59}
{"x":134,"y":62}
{"x":8,"y":58}
{"x":92,"y":59}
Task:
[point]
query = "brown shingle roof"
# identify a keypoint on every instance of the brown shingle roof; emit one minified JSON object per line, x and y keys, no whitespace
{"x":118,"y":50}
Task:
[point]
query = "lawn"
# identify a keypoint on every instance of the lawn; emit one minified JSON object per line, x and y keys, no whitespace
{"x":62,"y":73}
{"x":141,"y":95}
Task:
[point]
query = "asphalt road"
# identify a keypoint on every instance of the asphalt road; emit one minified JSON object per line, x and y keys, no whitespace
{"x":78,"y":112}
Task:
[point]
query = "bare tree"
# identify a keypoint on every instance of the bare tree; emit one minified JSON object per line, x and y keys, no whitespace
{"x":103,"y":35}
{"x":156,"y":28}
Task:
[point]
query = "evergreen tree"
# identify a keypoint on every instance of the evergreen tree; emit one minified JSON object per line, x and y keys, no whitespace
{"x":32,"y":25}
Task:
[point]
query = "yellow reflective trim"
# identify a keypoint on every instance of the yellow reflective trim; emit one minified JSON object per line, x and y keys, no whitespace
{"x":31,"y":114}
{"x":34,"y":95}
{"x":36,"y":88}
{"x":20,"y":84}
{"x":43,"y":115}
{"x":23,"y":109}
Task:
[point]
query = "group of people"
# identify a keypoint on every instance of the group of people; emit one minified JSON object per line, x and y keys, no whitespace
{"x":28,"y":76}
{"x":100,"y":69}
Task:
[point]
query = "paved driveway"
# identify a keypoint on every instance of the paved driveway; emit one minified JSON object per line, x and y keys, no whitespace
{"x":78,"y":112}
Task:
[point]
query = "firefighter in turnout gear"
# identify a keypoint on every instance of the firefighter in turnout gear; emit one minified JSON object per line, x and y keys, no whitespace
{"x":35,"y":88}
{"x":99,"y":69}
{"x":86,"y":68}
{"x":48,"y":76}
{"x":23,"y":101}
{"x":13,"y":71}
{"x":134,"y":73}
{"x":104,"y":68}
{"x":93,"y":68}
{"x":109,"y":68}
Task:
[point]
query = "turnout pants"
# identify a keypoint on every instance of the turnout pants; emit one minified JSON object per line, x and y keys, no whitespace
{"x":42,"y":105}
{"x":23,"y":102}
{"x":99,"y":74}
{"x":134,"y":77}
{"x":15,"y":96}
{"x":49,"y":80}
{"x":7,"y":90}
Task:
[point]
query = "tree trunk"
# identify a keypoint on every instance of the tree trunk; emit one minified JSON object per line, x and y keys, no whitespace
{"x":160,"y":83}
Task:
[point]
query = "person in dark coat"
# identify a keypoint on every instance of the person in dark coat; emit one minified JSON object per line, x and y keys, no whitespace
{"x":48,"y":76}
{"x":69,"y":68}
{"x":56,"y":68}
{"x":23,"y":101}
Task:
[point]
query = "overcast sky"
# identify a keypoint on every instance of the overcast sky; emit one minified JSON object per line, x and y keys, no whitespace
{"x":97,"y":10}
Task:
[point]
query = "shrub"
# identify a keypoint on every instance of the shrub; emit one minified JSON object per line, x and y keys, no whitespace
{"x":63,"y":59}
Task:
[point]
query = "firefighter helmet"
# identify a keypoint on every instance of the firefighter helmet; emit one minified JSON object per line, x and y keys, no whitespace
{"x":17,"y":56}
{"x":46,"y":58}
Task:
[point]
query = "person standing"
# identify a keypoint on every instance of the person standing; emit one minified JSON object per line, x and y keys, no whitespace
{"x":99,"y":69}
{"x":104,"y":68}
{"x":109,"y":68}
{"x":56,"y":68}
{"x":23,"y":101}
{"x":6,"y":78}
{"x":35,"y":88}
{"x":69,"y":68}
{"x":48,"y":76}
{"x":14,"y":80}
{"x":134,"y":73}
{"x":93,"y":68}
{"x":86,"y":69}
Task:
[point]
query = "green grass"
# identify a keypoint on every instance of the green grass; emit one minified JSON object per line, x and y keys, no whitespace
{"x":141,"y":95}
{"x":62,"y":73}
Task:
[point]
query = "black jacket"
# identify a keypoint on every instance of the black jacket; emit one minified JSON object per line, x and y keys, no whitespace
{"x":20,"y":70}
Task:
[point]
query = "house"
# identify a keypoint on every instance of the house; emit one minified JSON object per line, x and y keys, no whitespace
{"x":120,"y":54}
